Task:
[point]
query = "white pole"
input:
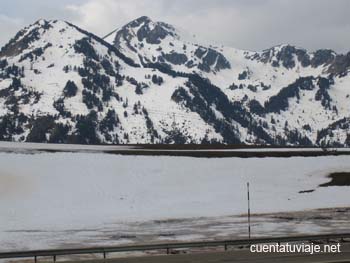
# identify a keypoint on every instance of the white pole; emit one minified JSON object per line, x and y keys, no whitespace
{"x":249,"y":232}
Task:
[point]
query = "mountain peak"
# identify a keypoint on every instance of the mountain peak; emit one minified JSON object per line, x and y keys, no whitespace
{"x":41,"y":22}
{"x":34,"y":32}
{"x":141,"y":20}
{"x":146,"y":30}
{"x":146,"y":41}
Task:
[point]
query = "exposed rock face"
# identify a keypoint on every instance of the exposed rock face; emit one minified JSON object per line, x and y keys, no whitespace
{"x":175,"y":58}
{"x":340,"y":65}
{"x":212,"y":58}
{"x":156,"y":34}
{"x":157,"y":42}
{"x":288,"y":57}
{"x":322,"y":57}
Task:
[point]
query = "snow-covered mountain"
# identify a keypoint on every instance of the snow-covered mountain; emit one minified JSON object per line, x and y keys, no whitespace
{"x":148,"y":82}
{"x":149,"y":42}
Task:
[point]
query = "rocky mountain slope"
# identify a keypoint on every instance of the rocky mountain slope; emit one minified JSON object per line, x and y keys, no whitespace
{"x":148,"y":83}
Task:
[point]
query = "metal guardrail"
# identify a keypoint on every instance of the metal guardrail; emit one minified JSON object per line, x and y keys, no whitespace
{"x":104,"y":250}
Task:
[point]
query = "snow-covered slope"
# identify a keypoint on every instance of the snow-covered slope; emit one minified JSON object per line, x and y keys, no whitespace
{"x":60,"y":83}
{"x":149,"y":83}
{"x":295,"y":95}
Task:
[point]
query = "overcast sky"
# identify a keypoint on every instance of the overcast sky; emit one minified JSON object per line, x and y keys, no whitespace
{"x":245,"y":24}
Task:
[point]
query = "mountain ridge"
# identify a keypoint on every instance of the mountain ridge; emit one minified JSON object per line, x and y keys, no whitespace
{"x":60,"y":83}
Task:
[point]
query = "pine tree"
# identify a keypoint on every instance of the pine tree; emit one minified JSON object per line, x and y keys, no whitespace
{"x":70,"y":90}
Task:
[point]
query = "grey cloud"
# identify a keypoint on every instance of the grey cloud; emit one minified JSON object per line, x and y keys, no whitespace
{"x":246,"y":24}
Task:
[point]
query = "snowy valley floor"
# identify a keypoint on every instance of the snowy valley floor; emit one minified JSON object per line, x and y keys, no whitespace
{"x":61,"y":200}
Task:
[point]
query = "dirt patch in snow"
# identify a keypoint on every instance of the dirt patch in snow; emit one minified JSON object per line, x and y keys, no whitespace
{"x":338,"y":179}
{"x":13,"y":186}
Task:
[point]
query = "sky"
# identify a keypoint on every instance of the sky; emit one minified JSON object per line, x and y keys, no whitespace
{"x":245,"y":24}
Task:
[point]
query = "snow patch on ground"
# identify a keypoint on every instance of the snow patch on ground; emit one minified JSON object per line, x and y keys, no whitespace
{"x":58,"y":192}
